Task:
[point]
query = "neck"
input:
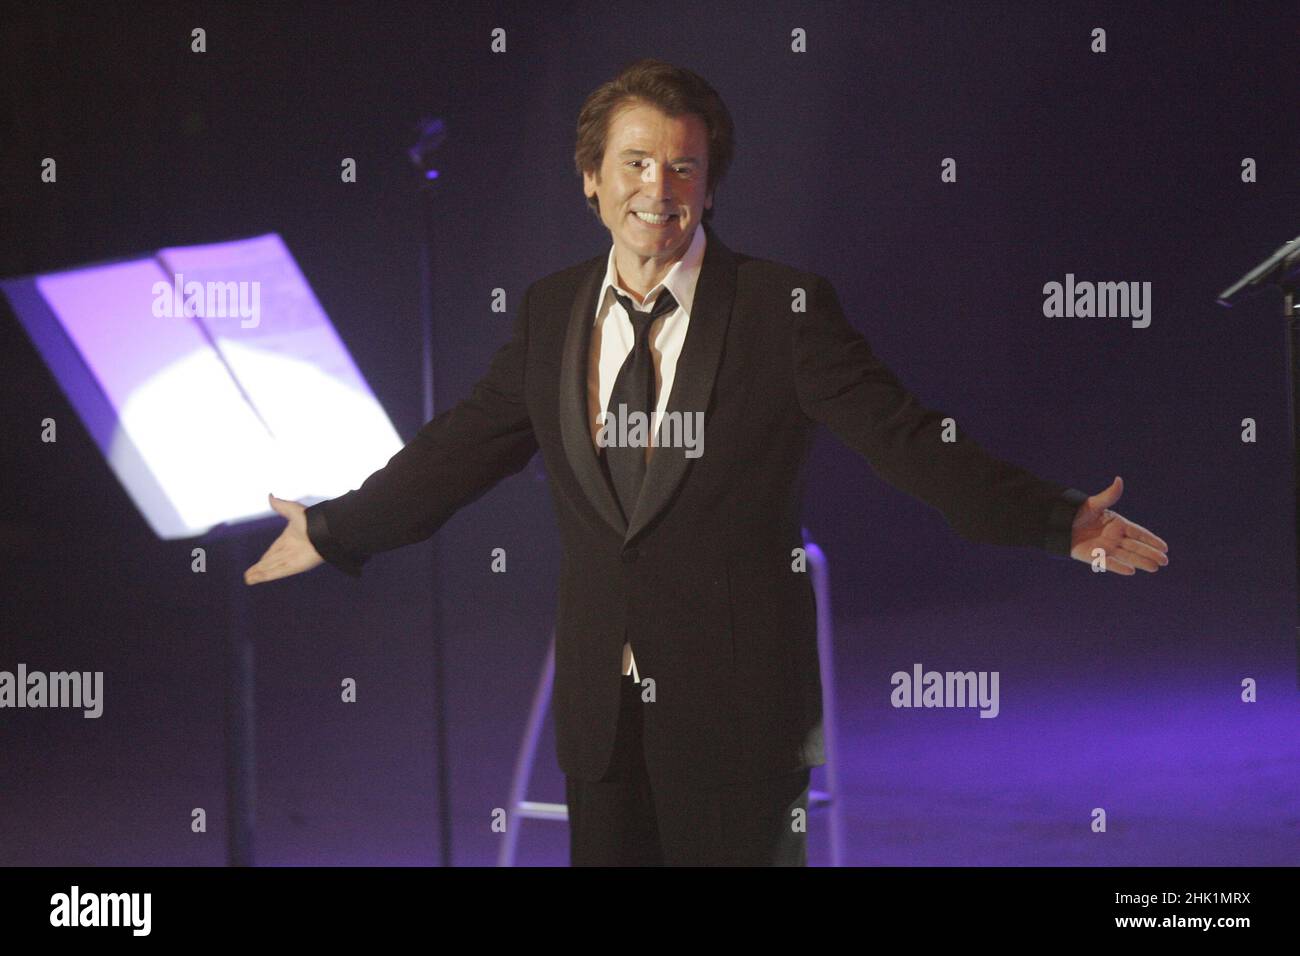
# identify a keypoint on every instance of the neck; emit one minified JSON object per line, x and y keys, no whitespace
{"x":639,"y":274}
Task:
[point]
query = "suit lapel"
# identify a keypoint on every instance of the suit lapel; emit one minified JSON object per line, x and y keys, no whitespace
{"x":697,"y":368}
{"x":574,"y":428}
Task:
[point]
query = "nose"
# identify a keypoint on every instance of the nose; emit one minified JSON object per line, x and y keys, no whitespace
{"x":656,"y":184}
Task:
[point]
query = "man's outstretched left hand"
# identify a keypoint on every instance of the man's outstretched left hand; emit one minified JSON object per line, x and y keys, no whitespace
{"x":1127,"y":546}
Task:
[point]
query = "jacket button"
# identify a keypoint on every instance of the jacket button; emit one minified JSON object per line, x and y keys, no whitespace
{"x":630,"y":555}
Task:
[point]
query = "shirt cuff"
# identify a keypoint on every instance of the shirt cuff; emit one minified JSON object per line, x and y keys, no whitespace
{"x":327,"y":546}
{"x":1060,"y":521}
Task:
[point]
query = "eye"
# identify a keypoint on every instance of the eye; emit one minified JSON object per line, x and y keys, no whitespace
{"x":684,"y":171}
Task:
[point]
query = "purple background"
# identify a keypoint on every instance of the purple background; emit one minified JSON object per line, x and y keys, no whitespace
{"x":1116,"y":692}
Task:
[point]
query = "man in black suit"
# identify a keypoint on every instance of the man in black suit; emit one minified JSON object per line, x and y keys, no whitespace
{"x":687,"y":696}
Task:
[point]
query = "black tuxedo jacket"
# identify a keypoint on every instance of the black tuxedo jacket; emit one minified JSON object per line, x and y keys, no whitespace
{"x":701,"y":580}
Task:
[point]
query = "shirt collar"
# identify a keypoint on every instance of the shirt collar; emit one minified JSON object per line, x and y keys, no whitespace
{"x":681,"y":279}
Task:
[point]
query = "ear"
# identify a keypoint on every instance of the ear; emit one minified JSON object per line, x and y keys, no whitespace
{"x":590,"y":182}
{"x":708,"y":201}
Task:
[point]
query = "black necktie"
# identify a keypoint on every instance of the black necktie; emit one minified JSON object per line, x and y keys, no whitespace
{"x":634,"y":391}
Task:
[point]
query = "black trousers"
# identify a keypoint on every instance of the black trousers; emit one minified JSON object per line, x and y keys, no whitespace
{"x":625,"y":820}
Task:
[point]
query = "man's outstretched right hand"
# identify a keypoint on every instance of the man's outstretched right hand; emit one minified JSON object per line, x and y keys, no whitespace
{"x":291,"y":553}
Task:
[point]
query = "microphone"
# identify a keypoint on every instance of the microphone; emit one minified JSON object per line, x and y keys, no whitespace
{"x":1281,"y":268}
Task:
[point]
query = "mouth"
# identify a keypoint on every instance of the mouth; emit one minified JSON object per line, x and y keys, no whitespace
{"x":654,"y":221}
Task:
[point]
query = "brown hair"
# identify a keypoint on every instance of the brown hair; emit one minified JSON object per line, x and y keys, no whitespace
{"x":670,"y":89}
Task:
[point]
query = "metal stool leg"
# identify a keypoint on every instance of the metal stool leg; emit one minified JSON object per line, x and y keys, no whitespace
{"x":825,"y":652}
{"x":519,"y":808}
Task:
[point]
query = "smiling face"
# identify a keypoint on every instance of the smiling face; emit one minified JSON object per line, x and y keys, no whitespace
{"x":651,"y":183}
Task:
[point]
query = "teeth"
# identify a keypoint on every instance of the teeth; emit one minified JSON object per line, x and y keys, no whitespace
{"x":651,"y":218}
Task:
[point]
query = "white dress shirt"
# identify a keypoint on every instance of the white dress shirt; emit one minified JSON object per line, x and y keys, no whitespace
{"x":612,"y":339}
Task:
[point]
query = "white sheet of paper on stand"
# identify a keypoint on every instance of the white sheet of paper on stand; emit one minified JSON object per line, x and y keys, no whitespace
{"x":239,"y":387}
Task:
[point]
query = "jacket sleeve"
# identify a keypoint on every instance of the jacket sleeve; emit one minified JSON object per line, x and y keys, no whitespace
{"x":452,"y":461}
{"x":841,"y":384}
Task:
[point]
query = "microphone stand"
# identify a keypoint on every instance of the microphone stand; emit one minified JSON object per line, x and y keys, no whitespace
{"x":432,"y":132}
{"x":1282,"y":269}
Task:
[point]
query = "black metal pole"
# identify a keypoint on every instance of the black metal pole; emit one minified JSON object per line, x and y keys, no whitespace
{"x":443,"y":781}
{"x":1293,"y":373}
{"x":241,"y":761}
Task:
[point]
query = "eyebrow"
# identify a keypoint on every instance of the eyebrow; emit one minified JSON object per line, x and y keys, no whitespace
{"x":642,"y":152}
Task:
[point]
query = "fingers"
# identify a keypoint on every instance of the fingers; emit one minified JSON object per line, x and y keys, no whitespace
{"x":1117,"y":565}
{"x":1143,"y":554}
{"x":1113,"y":561}
{"x":265,"y":571}
{"x":1115,"y":558}
{"x":1145,"y":536}
{"x":267,"y":565}
{"x":289,"y":554}
{"x":259,"y":573}
{"x":275,"y":566}
{"x":1134,"y":531}
{"x":1135,"y":560}
{"x":1130,"y":555}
